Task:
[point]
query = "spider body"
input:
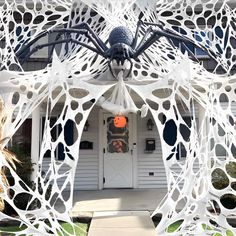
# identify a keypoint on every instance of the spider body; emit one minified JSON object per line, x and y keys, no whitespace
{"x":120,"y":52}
{"x":123,"y":44}
{"x":121,"y":34}
{"x":120,"y":40}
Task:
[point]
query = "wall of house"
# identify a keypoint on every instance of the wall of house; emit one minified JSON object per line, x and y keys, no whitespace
{"x":86,"y":176}
{"x":151,"y":171}
{"x":150,"y":168}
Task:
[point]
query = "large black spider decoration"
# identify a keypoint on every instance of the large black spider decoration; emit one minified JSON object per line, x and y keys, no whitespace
{"x":124,"y":45}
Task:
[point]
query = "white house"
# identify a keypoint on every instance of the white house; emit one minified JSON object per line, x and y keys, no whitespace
{"x":110,"y":157}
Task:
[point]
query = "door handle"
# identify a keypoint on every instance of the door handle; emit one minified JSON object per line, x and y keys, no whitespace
{"x":131,"y":151}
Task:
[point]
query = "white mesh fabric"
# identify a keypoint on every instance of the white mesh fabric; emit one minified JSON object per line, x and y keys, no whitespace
{"x":168,"y":82}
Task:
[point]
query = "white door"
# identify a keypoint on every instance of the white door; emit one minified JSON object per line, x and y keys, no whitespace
{"x":118,"y":159}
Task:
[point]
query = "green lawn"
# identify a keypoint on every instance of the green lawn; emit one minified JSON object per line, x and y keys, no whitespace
{"x":174,"y":227}
{"x":80,"y":229}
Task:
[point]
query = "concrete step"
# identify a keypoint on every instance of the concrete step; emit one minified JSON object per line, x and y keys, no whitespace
{"x":125,"y":223}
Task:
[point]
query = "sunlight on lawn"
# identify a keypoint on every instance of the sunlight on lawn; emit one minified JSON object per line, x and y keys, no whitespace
{"x":174,"y":227}
{"x":78,"y":229}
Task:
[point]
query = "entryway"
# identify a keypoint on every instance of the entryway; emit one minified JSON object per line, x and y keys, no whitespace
{"x":117,"y":153}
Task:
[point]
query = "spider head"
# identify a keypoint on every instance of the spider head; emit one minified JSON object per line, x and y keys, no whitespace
{"x":120,"y":52}
{"x":121,"y":34}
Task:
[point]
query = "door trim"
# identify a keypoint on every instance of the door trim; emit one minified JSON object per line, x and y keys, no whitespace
{"x":100,"y":149}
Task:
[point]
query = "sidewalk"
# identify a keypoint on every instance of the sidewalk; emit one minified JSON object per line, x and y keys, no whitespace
{"x":122,"y":223}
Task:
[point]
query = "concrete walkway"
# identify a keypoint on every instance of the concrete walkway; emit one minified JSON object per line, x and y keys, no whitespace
{"x":122,"y":223}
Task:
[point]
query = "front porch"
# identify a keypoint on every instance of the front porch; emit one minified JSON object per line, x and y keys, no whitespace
{"x":88,"y":202}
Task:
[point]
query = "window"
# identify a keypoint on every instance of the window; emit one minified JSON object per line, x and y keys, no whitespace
{"x":55,"y":132}
{"x":22,"y":138}
{"x":170,"y":134}
{"x":42,"y":53}
{"x":204,"y":36}
{"x":22,"y":41}
{"x":117,"y":138}
{"x":185,"y":133}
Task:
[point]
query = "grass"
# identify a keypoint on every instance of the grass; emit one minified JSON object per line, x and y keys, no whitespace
{"x":13,"y":228}
{"x":174,"y":227}
{"x":78,"y":229}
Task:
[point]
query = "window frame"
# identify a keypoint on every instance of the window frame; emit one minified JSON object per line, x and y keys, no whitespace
{"x":195,"y":49}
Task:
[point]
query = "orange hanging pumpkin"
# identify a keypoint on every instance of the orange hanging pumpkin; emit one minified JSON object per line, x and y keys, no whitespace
{"x":120,"y":121}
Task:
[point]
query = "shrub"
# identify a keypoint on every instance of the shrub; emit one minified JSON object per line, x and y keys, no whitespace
{"x":24,"y":169}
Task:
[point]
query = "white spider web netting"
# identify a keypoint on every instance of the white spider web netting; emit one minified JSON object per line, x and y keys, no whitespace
{"x":166,"y":79}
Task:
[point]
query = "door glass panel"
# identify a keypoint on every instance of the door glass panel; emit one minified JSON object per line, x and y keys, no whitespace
{"x":117,"y":138}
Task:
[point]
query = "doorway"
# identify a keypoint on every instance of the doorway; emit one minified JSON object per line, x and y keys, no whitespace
{"x":117,"y":154}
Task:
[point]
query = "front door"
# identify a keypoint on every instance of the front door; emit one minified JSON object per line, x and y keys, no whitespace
{"x":118,"y":160}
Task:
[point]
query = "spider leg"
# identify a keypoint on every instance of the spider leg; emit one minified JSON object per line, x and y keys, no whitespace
{"x":53,"y":46}
{"x":38,"y":47}
{"x":26,"y":47}
{"x":88,"y":33}
{"x":130,"y":69}
{"x":139,"y":24}
{"x":147,"y":33}
{"x":84,"y":32}
{"x":152,"y":24}
{"x":109,"y":64}
{"x":136,"y":34}
{"x":87,"y":27}
{"x":156,"y":34}
{"x":97,"y":48}
{"x":111,"y":70}
{"x":189,"y":51}
{"x":185,"y":47}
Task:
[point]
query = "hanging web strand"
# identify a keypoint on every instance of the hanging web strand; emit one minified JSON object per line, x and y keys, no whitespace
{"x":120,"y":101}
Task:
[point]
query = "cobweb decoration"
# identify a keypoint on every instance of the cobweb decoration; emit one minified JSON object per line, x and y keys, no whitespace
{"x":170,"y":84}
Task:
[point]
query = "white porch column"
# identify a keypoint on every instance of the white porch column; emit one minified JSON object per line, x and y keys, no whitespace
{"x":203,"y":123}
{"x":35,"y":135}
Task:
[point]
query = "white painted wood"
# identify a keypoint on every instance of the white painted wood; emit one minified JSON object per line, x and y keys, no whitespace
{"x":86,"y":176}
{"x":134,"y":148}
{"x":87,"y":172}
{"x":118,"y":167}
{"x":150,"y":167}
{"x":101,"y":143}
{"x":35,"y":141}
{"x":118,"y":171}
{"x":147,"y":168}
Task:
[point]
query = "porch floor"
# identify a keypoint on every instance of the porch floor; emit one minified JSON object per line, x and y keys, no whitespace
{"x":88,"y":202}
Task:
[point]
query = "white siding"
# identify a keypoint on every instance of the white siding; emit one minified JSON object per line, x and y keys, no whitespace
{"x":150,"y":167}
{"x":86,"y":176}
{"x":149,"y":163}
